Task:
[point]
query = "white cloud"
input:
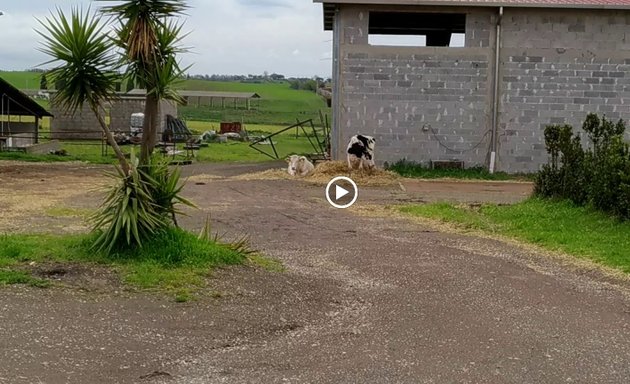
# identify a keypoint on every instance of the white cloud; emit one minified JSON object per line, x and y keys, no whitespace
{"x":227,"y":37}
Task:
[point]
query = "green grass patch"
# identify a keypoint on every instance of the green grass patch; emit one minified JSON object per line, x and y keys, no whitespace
{"x":174,"y":261}
{"x":553,"y":225}
{"x":24,"y":278}
{"x":92,"y":151}
{"x":414,"y":170}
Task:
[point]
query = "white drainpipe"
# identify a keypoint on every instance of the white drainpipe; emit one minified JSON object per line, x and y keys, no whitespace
{"x":495,"y":107}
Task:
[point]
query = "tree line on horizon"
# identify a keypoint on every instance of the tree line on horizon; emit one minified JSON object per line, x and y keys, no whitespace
{"x":296,"y":83}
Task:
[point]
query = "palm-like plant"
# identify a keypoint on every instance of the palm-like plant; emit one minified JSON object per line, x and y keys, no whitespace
{"x":84,"y":75}
{"x":149,"y":44}
{"x":142,"y":201}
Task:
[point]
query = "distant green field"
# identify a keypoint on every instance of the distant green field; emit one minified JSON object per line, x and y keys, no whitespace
{"x":278,"y":105}
{"x":22,"y":80}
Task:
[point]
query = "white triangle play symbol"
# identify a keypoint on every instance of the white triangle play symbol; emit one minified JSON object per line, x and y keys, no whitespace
{"x":340,"y":192}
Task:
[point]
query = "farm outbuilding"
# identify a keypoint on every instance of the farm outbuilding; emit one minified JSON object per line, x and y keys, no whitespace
{"x":475,"y":81}
{"x":223,"y":99}
{"x":83,"y":125}
{"x":211,"y":98}
{"x":19,"y":118}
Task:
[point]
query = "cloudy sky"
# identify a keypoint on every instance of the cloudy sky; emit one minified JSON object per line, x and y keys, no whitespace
{"x":227,"y":36}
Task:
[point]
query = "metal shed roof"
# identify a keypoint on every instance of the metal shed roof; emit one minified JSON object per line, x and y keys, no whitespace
{"x":185,"y":93}
{"x":16,"y":103}
{"x":329,"y":5}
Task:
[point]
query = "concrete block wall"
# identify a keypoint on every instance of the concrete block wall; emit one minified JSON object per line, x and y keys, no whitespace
{"x":83,"y":124}
{"x":559,"y":81}
{"x":420,"y":103}
{"x":22,"y":133}
{"x":70,"y":126}
{"x":480,"y":28}
{"x":120,"y":113}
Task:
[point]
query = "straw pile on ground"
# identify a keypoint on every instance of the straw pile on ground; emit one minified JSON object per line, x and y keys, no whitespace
{"x":327,"y":170}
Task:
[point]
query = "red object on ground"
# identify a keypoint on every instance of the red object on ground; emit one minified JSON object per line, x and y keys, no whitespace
{"x":230,"y":127}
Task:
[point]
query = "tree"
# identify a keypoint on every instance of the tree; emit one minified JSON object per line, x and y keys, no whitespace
{"x":149,"y":41}
{"x":83,"y":76}
{"x":142,"y":201}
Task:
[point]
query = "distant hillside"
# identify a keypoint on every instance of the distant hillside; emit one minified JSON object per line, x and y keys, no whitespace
{"x":278,"y":104}
{"x":22,"y":80}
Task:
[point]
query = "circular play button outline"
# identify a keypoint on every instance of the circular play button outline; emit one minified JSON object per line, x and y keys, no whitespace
{"x":332,"y":182}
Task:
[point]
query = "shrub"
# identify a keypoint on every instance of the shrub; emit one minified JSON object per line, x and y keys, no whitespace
{"x":599,"y":176}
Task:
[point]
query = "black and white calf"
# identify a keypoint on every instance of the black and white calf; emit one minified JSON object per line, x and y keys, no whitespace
{"x":361,"y":152}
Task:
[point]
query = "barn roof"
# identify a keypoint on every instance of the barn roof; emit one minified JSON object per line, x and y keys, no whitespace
{"x":16,"y":103}
{"x":329,"y":5}
{"x":185,"y":93}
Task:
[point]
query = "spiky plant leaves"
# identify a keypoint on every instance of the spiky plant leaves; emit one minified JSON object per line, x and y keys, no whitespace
{"x":84,"y":75}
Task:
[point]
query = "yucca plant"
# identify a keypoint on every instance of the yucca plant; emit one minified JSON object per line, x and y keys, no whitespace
{"x":165,"y":187}
{"x":84,"y":75}
{"x":139,"y":205}
{"x":145,"y":193}
{"x":128,"y":215}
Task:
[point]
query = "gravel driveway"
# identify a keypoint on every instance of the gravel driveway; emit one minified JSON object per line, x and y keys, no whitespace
{"x":365,"y":299}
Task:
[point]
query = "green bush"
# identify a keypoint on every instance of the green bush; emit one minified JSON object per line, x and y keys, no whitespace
{"x":599,"y":176}
{"x":547,"y":182}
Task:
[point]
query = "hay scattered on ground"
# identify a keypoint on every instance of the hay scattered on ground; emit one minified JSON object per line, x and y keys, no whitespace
{"x":202,"y":178}
{"x":327,"y":170}
{"x":27,"y":198}
{"x":270,"y":174}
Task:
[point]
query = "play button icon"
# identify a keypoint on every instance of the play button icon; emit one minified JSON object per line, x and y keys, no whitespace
{"x":344,"y":193}
{"x":340,"y":192}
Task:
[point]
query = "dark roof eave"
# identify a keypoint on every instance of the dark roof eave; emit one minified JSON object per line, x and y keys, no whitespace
{"x":27,"y":106}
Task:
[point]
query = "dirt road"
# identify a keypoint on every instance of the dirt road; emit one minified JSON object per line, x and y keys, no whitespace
{"x":364,"y":300}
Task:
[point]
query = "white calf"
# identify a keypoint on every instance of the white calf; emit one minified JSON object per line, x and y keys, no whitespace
{"x":299,"y":166}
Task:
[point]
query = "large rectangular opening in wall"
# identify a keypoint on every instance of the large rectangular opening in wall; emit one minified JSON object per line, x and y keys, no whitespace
{"x":417,"y":29}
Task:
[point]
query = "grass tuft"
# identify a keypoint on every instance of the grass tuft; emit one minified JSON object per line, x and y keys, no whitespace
{"x":22,"y":278}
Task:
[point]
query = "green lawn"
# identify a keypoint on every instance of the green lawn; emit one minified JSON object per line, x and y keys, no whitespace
{"x":557,"y":226}
{"x":175,"y":262}
{"x":90,"y":151}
